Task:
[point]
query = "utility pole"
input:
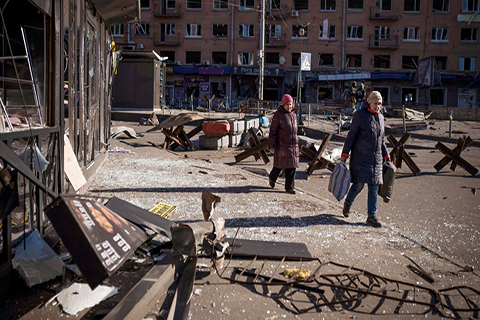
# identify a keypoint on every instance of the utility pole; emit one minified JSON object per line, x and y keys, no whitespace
{"x":261,"y":51}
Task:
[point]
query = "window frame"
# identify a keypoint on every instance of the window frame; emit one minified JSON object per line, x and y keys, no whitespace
{"x":415,"y":2}
{"x":240,"y":57}
{"x":275,"y":8}
{"x":324,"y":3}
{"x":169,"y":2}
{"x":198,"y":29}
{"x":350,"y":31}
{"x":191,"y":2}
{"x":473,"y":34}
{"x":461,"y":64}
{"x":296,"y":28}
{"x":465,"y":6}
{"x":447,"y":9}
{"x":217,"y":35}
{"x":144,"y":26}
{"x":167,"y":27}
{"x":354,"y":56}
{"x":436,"y":30}
{"x":246,"y":31}
{"x":360,"y":9}
{"x":277,"y":63}
{"x":220,"y":2}
{"x":329,"y":33}
{"x":445,"y":91}
{"x":244,"y":3}
{"x":326,"y":65}
{"x":416,"y":30}
{"x":191,"y":52}
{"x":415,"y":62}
{"x":302,"y":5}
{"x":380,"y":56}
{"x":220,"y":53}
{"x":145,"y":8}
{"x":295,"y":62}
{"x":381,"y":6}
{"x":121,"y":27}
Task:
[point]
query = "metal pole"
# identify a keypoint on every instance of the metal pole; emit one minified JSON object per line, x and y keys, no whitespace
{"x":261,"y":51}
{"x":309,"y":113}
{"x":403,"y":116}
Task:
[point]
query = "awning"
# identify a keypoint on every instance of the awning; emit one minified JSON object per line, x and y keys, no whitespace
{"x":118,"y":11}
{"x":344,"y":76}
{"x":397,"y":76}
{"x":140,"y":55}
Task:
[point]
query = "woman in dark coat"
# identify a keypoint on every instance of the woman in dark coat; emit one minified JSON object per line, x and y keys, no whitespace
{"x":284,"y":143}
{"x":366,"y":142}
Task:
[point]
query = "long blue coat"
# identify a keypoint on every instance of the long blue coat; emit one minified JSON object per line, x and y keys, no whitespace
{"x":283,"y":138}
{"x":366,"y":142}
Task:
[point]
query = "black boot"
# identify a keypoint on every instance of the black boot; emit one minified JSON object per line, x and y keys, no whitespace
{"x":346,"y":210}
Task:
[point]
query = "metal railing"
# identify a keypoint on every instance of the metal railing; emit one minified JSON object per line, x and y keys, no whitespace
{"x":377,"y":42}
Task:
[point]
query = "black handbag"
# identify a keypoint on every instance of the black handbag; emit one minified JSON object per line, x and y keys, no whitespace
{"x":386,"y":190}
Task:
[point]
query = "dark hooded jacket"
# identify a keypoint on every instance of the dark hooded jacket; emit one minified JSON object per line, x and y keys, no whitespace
{"x":366,"y":142}
{"x":283,"y":138}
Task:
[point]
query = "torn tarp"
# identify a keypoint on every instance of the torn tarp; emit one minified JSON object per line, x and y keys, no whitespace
{"x":99,"y":240}
{"x":428,"y":74}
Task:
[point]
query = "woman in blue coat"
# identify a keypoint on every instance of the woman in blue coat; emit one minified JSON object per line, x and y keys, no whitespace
{"x":366,"y":143}
{"x":283,"y":142}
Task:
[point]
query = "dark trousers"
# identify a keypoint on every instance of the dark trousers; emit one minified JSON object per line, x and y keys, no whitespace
{"x":289,"y":177}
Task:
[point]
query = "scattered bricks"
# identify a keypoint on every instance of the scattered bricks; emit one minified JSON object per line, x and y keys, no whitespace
{"x":251,"y":123}
{"x":237,"y":126}
{"x":213,"y":142}
{"x":234,"y":140}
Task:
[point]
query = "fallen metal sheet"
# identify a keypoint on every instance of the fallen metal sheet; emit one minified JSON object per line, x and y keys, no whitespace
{"x":149,"y":290}
{"x":127,"y":131}
{"x":141,"y":217}
{"x":177,"y":120}
{"x":267,"y":249}
{"x":209,"y":203}
{"x":188,"y":238}
{"x":36,"y":263}
{"x":79,"y":296}
{"x":99,"y":240}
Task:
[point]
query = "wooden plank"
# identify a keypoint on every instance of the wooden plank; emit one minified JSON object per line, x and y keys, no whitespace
{"x":410,"y":163}
{"x":250,"y":152}
{"x":457,"y":151}
{"x":183,"y":136}
{"x":72,"y":168}
{"x":460,"y":161}
{"x":446,"y":160}
{"x":310,"y":154}
{"x":190,"y":135}
{"x":171,"y":135}
{"x":262,"y":152}
{"x":252,"y":143}
{"x":319,"y":153}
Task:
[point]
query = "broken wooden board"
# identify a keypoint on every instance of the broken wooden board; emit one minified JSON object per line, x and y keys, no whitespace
{"x":318,"y":155}
{"x":71,"y":166}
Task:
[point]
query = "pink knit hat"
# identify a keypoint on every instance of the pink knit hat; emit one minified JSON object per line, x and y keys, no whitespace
{"x":286,"y":98}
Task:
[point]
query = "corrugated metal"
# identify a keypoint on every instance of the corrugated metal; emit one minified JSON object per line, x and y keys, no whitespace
{"x":44,"y":5}
{"x":118,"y":11}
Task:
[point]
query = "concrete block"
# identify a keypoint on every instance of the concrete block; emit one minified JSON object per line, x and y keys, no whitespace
{"x":252,"y":123}
{"x":234,"y":140}
{"x":237,"y":126}
{"x":213,"y":142}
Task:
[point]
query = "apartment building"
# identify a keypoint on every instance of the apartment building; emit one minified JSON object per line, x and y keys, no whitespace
{"x":213,"y":48}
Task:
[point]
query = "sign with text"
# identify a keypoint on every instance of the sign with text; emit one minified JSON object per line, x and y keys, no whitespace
{"x":99,"y":240}
{"x":239,"y":70}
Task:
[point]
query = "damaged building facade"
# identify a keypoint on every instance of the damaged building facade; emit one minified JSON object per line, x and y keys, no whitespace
{"x":213,"y":48}
{"x":57,"y":69}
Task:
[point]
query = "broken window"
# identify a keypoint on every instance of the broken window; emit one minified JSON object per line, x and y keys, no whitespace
{"x":194,"y":4}
{"x":194,"y":30}
{"x":324,"y":93}
{"x":409,"y":62}
{"x":384,"y":5}
{"x":440,"y":34}
{"x":169,"y":54}
{"x":220,"y":30}
{"x":275,"y":4}
{"x":355,"y":5}
{"x":245,"y":30}
{"x":247,"y":4}
{"x":411,"y":34}
{"x":272,"y":58}
{"x":218,"y":89}
{"x":329,"y":33}
{"x":220,"y":4}
{"x":441,"y":5}
{"x":193,"y":57}
{"x":441,"y":62}
{"x":118,"y":30}
{"x":412,"y":6}
{"x":274,"y":30}
{"x":353,"y":61}
{"x":219,"y":57}
{"x":354,"y":32}
{"x":300,"y":5}
{"x":383,"y":33}
{"x":299,"y":31}
{"x":438,"y":96}
{"x":169,"y":29}
{"x":466,"y":64}
{"x":142,"y":29}
{"x":381,"y":61}
{"x":470,"y":6}
{"x":170,"y":4}
{"x":295,"y":59}
{"x":325,"y":60}
{"x":144,"y":4}
{"x":245,"y":58}
{"x":468,"y":34}
{"x":328,"y":5}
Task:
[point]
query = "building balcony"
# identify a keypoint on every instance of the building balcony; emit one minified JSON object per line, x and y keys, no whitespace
{"x":162,"y":40}
{"x":276,"y":40}
{"x":159,"y":11}
{"x":376,"y":42}
{"x":376,"y":14}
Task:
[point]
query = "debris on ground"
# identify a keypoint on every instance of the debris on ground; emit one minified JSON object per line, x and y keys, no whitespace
{"x":116,"y":132}
{"x":79,"y":296}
